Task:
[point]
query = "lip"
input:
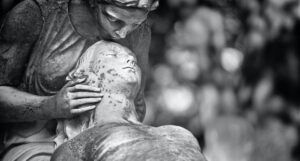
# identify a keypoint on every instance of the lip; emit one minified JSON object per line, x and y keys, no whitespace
{"x":115,"y":37}
{"x":130,"y":68}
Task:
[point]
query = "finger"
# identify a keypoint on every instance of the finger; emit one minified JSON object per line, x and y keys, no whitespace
{"x":83,"y":101}
{"x":76,"y":81}
{"x":76,"y":95}
{"x":82,"y":110}
{"x":82,"y":87}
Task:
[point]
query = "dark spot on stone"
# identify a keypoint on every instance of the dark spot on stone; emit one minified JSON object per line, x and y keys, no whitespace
{"x":110,"y":71}
{"x":102,"y":76}
{"x":127,"y":111}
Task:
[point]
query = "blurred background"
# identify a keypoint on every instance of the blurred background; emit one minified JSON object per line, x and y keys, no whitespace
{"x":228,"y":71}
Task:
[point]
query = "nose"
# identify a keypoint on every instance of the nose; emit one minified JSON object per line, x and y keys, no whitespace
{"x":123,"y":32}
{"x":131,"y":60}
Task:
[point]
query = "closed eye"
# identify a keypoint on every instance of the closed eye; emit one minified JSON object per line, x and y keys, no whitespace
{"x":111,"y":55}
{"x":111,"y":18}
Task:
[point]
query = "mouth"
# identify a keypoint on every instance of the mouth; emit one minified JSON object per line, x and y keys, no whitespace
{"x":131,"y":68}
{"x":115,"y":37}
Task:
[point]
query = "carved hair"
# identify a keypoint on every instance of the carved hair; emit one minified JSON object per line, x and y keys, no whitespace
{"x":148,"y":5}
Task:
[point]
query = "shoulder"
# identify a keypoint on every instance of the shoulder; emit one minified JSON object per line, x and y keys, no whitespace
{"x":173,"y":129}
{"x":23,"y":22}
{"x":65,"y":152}
{"x":178,"y":133}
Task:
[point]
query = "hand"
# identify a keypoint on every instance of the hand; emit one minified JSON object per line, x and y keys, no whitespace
{"x":76,"y":98}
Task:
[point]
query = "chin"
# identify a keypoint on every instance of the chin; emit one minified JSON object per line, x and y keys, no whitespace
{"x":131,"y":78}
{"x":110,"y":35}
{"x":127,"y":78}
{"x":108,"y":38}
{"x":106,"y":35}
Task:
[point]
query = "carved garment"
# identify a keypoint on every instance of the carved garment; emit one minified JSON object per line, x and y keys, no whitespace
{"x":131,"y":142}
{"x":53,"y":56}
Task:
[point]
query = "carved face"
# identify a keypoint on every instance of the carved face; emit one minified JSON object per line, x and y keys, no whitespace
{"x":117,"y":22}
{"x":111,"y":67}
{"x":119,"y":65}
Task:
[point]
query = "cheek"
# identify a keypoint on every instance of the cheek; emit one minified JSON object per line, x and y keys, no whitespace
{"x":105,"y":24}
{"x":108,"y":27}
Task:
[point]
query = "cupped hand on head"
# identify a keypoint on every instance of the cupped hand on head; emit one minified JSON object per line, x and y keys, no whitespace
{"x":76,"y":98}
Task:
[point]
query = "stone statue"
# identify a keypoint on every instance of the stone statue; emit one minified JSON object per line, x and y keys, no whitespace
{"x":112,"y":132}
{"x":40,"y":43}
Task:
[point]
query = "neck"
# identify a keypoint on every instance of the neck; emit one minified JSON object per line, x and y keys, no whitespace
{"x":115,"y":108}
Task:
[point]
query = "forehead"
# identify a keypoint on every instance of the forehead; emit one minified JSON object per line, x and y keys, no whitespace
{"x":126,"y":14}
{"x":115,"y":49}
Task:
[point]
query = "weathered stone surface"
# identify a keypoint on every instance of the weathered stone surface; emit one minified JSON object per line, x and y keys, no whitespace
{"x":127,"y":142}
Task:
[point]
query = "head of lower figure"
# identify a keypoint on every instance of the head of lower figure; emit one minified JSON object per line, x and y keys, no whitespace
{"x":113,"y":68}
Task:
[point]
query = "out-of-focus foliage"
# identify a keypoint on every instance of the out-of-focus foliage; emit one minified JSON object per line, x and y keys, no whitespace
{"x":229,"y":72}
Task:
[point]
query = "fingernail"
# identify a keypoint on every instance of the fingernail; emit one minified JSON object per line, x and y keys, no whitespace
{"x":81,"y":79}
